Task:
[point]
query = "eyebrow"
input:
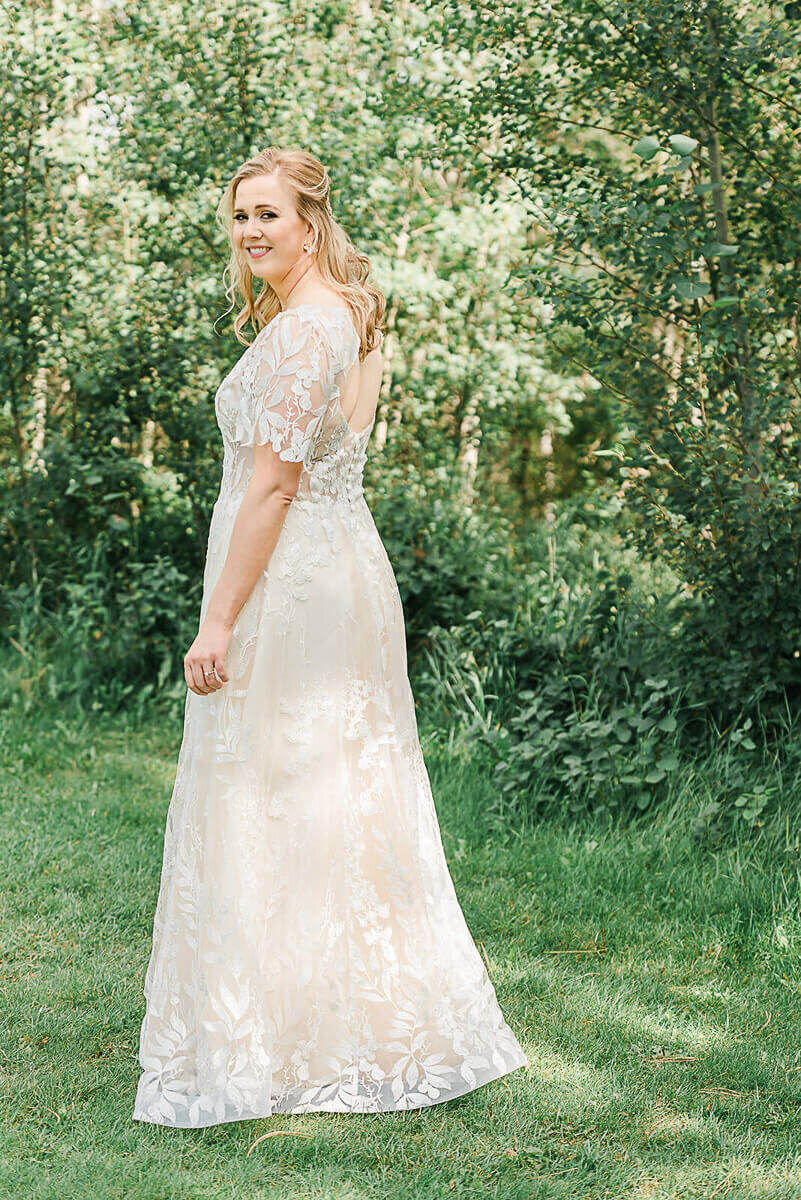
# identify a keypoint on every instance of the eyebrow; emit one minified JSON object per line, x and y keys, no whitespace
{"x":258,"y":204}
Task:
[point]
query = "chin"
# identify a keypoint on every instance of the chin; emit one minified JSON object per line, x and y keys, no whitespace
{"x":256,"y":264}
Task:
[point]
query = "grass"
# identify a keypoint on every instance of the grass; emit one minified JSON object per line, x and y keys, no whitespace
{"x":654,"y":983}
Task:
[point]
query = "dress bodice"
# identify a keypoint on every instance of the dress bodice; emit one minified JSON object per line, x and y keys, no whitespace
{"x":285,"y":389}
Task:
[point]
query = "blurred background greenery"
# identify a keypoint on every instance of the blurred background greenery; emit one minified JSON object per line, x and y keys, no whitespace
{"x":586,"y":218}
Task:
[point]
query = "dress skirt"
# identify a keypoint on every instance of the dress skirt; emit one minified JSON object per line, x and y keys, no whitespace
{"x":309,"y":951}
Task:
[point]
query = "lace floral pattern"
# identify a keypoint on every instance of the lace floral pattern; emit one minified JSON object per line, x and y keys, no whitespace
{"x":309,"y":952}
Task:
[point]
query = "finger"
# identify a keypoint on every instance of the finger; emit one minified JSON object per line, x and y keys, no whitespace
{"x":190,"y":682}
{"x":197,"y":675}
{"x":210,"y":679}
{"x":221,"y":671}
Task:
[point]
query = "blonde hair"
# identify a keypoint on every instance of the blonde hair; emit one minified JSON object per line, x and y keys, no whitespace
{"x":338,"y":261}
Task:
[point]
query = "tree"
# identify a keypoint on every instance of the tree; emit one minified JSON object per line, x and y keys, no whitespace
{"x":657,"y":150}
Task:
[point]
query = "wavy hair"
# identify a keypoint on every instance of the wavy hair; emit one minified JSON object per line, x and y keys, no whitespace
{"x":336,"y":258}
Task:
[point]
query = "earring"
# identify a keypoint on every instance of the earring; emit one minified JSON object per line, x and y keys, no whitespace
{"x":307,"y":248}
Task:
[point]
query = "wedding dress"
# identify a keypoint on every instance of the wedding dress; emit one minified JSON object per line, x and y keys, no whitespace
{"x":309,"y":951}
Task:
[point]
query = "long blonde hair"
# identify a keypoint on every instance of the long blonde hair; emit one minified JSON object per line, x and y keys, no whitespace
{"x":338,"y":261}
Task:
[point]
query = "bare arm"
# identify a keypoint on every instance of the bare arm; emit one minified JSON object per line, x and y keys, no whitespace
{"x":254,"y":536}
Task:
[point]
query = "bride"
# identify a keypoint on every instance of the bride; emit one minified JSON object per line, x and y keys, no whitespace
{"x":309,"y":952}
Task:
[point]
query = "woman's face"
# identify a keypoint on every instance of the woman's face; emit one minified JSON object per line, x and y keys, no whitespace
{"x":267,"y":229}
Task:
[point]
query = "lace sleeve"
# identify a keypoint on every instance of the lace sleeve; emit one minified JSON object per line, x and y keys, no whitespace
{"x":288,"y":386}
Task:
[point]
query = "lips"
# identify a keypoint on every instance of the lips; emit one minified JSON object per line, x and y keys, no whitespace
{"x":258,"y":251}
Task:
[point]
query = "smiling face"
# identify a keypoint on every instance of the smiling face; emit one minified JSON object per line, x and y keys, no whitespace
{"x":268,"y":231}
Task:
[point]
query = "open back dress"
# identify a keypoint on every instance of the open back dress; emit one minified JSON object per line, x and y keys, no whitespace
{"x":309,"y":951}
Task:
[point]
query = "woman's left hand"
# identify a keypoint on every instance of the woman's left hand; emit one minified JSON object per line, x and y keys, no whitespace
{"x":204,"y":661}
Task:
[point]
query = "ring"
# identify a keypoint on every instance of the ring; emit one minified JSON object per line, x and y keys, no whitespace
{"x":211,"y":672}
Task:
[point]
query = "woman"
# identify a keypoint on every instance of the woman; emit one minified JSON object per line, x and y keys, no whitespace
{"x":309,"y":952}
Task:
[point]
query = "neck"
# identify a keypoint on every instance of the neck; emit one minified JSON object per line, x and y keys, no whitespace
{"x":300,"y":278}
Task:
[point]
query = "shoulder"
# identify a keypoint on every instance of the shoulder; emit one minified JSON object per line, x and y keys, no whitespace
{"x":288,"y":320}
{"x":373,"y":363}
{"x":291,"y":332}
{"x":322,"y":334}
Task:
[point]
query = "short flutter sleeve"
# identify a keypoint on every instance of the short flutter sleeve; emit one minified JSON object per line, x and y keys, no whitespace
{"x":288,"y":386}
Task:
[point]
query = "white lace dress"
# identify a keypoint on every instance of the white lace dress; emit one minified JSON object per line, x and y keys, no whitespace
{"x":309,"y":952}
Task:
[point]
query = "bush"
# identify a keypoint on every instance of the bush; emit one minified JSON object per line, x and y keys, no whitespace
{"x":583,"y":694}
{"x":448,"y":560}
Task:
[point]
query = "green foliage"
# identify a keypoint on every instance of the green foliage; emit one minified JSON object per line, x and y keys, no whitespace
{"x":448,"y":560}
{"x":598,"y":757}
{"x":665,"y":241}
{"x":105,"y":641}
{"x":116,"y":595}
{"x":577,"y":687}
{"x":737,"y":546}
{"x":118,"y":132}
{"x":739,"y":794}
{"x":583,"y":694}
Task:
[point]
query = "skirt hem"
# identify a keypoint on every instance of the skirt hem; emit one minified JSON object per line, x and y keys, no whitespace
{"x":335,"y":1105}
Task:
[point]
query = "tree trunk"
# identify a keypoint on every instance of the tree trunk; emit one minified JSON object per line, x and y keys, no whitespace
{"x":741,"y":356}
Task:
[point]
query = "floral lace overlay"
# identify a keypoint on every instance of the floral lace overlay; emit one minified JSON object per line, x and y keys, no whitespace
{"x":309,"y":951}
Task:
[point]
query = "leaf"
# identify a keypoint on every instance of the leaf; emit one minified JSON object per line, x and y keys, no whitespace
{"x":719,"y":249}
{"x":647,"y":147}
{"x":691,"y":289}
{"x":681,"y":144}
{"x":681,"y":165}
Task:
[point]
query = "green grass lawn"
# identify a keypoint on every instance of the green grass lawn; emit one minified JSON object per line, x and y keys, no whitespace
{"x":655,"y":986}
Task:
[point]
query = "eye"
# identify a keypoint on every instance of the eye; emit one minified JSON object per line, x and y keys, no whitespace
{"x":262,"y":215}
